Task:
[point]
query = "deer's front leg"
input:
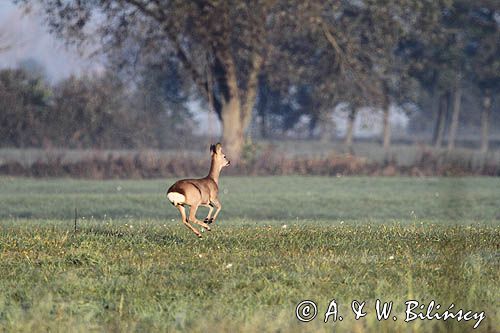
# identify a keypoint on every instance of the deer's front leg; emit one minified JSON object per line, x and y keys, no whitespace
{"x":218,"y":205}
{"x":210,"y":210}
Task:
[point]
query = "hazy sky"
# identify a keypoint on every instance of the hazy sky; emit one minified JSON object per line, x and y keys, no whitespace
{"x":30,"y":39}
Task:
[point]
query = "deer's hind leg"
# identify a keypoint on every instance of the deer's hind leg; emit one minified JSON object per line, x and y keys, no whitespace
{"x":193,"y":219}
{"x":186,"y":222}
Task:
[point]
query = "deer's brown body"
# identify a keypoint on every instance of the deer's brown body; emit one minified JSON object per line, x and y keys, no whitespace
{"x":200,"y":192}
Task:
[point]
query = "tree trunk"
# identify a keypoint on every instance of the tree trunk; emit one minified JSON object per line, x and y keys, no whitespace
{"x":324,"y":133}
{"x":457,"y":98}
{"x":326,"y":127}
{"x":386,"y":132}
{"x":232,"y":129}
{"x":435,"y":108}
{"x":262,"y":110}
{"x":441,"y":120}
{"x":312,"y":126}
{"x":263,"y":125}
{"x":350,"y":129}
{"x":485,"y":122}
{"x":250,"y":93}
{"x":236,"y":105}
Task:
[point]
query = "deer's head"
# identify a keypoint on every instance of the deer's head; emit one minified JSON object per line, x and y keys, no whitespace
{"x":218,"y":157}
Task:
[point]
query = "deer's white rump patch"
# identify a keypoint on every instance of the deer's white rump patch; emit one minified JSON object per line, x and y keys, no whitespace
{"x":176,"y":198}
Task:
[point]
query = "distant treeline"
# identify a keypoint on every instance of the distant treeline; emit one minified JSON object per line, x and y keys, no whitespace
{"x":272,"y":67}
{"x":97,"y":111}
{"x":267,"y":162}
{"x":283,"y":60}
{"x":101,"y":111}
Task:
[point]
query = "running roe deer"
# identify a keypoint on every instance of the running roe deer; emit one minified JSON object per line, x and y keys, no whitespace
{"x":200,"y":192}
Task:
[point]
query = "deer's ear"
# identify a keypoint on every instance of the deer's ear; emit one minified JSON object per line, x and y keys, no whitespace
{"x":218,"y":148}
{"x":212,"y":149}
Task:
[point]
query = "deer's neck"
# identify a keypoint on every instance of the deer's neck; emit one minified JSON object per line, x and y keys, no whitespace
{"x":214,"y":172}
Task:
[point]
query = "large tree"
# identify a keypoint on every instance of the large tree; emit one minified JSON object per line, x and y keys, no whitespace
{"x":364,"y":37}
{"x":221,"y":45}
{"x":335,"y":52}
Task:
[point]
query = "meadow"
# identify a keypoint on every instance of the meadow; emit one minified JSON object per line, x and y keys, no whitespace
{"x":130,"y":265}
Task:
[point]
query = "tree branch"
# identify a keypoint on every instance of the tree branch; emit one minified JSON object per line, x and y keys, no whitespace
{"x":159,"y":16}
{"x":143,"y":7}
{"x":368,"y":91}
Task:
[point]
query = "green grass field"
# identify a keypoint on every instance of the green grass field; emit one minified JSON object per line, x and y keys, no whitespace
{"x":132,"y":266}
